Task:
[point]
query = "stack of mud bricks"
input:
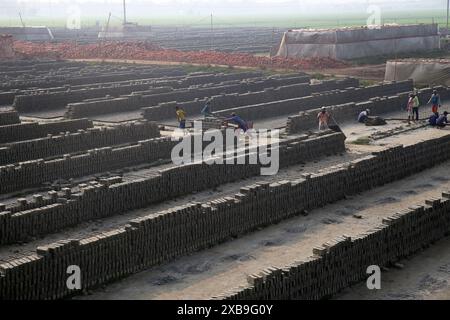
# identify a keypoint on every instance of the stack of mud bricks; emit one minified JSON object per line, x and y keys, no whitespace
{"x":307,"y":120}
{"x":105,"y":198}
{"x":291,"y":106}
{"x":343,"y":261}
{"x":33,"y":130}
{"x":151,"y":240}
{"x":8,"y":117}
{"x":82,"y":140}
{"x":235,"y":98}
{"x":54,"y":100}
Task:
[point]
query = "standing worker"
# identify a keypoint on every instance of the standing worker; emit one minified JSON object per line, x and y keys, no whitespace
{"x":413,"y":107}
{"x":239,"y":121}
{"x":324,"y":117}
{"x":206,"y":111}
{"x":435,"y":101}
{"x":181,"y":117}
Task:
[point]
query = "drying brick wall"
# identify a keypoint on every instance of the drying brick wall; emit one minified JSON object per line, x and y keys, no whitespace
{"x":141,"y":99}
{"x":349,"y":112}
{"x":32,"y":130}
{"x":343,"y":261}
{"x":106,"y":198}
{"x":9,"y":117}
{"x":99,"y":137}
{"x":291,"y":106}
{"x":157,"y":238}
{"x":226,"y":101}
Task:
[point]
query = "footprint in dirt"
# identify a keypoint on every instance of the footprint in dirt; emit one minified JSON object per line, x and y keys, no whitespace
{"x":386,"y":200}
{"x":424,"y":186}
{"x":345,"y":211}
{"x":272,"y":242}
{"x":165,"y":280}
{"x":296,"y":229}
{"x":198,"y":268}
{"x":237,"y":257}
{"x":430,"y":283}
{"x":408,"y":193}
{"x":331,"y":221}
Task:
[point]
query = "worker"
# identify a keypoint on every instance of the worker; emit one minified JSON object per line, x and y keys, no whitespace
{"x":435,"y":101}
{"x":206,"y":111}
{"x":413,"y":107}
{"x":442,"y":121}
{"x":239,"y":121}
{"x":433,"y":119}
{"x":363,"y":116}
{"x":181,"y":117}
{"x":324,"y":117}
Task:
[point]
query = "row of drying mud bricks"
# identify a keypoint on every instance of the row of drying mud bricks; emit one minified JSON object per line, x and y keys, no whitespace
{"x":82,"y":140}
{"x":256,"y":93}
{"x":53,"y":100}
{"x":342,"y":262}
{"x":56,"y":81}
{"x":33,"y":130}
{"x":9,"y":117}
{"x":157,"y":238}
{"x":105,"y":198}
{"x":349,"y":112}
{"x":292,"y":106}
{"x":137,"y":100}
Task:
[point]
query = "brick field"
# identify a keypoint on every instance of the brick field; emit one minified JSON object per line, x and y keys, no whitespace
{"x":88,"y":180}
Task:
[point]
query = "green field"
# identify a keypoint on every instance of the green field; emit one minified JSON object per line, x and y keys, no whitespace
{"x":287,"y":21}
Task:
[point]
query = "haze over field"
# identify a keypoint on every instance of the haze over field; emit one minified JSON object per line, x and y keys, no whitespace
{"x":197,"y":12}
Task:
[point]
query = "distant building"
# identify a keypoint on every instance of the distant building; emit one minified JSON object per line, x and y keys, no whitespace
{"x":359,"y":42}
{"x":28,"y":33}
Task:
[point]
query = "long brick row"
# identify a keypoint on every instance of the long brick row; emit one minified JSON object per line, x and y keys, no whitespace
{"x":251,"y":96}
{"x":82,"y":140}
{"x":151,"y":240}
{"x":105,"y":198}
{"x":9,"y":117}
{"x":292,"y":106}
{"x":33,"y":130}
{"x":344,"y":261}
{"x":142,"y":99}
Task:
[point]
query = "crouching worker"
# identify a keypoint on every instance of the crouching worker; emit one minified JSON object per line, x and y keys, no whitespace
{"x":239,"y":121}
{"x":364,"y":116}
{"x":433,"y":119}
{"x":442,"y":121}
{"x":207,"y":111}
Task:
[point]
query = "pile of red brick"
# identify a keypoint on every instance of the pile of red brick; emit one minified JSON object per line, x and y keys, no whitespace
{"x":147,"y":51}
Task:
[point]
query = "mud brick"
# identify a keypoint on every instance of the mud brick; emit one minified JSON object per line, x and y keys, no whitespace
{"x":435,"y":203}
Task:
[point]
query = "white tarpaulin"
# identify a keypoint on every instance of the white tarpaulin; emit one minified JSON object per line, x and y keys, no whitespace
{"x":352,"y":43}
{"x":427,"y":72}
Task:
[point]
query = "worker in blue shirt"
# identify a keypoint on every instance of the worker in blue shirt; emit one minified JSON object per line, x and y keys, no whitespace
{"x":433,"y":119}
{"x":239,"y":121}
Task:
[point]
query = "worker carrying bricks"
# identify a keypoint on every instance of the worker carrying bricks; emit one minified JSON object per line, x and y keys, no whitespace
{"x":435,"y":101}
{"x":181,"y":117}
{"x":239,"y":121}
{"x":323,"y":117}
{"x":413,"y":107}
{"x":207,"y":111}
